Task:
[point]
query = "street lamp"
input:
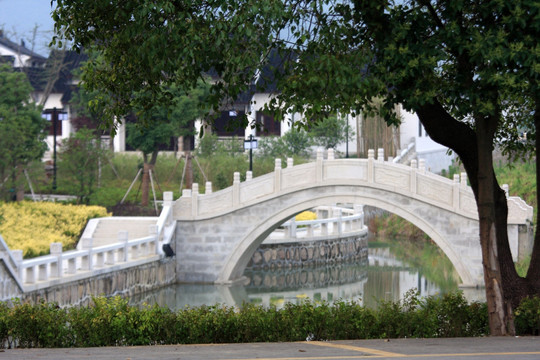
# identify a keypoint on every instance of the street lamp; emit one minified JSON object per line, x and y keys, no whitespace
{"x":250,"y":144}
{"x":54,"y":116}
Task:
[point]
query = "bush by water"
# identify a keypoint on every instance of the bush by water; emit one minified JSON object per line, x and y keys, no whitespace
{"x":112,"y":322}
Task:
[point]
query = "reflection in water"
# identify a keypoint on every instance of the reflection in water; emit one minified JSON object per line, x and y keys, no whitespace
{"x":383,"y":278}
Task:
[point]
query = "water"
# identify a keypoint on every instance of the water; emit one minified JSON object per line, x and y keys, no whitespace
{"x":382,"y":277}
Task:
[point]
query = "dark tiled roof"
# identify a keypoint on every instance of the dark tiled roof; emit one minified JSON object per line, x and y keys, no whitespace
{"x":71,"y":61}
{"x":20,"y":49}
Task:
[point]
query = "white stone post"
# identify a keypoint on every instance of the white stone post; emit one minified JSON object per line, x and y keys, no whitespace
{"x":290,"y":162}
{"x":186,"y":193}
{"x":413,"y":176}
{"x":422,"y":165}
{"x":324,"y":228}
{"x":168,"y":198}
{"x":277,"y":176}
{"x":194,"y":199}
{"x":319,"y":165}
{"x":249,"y":175}
{"x":292,"y":228}
{"x":208,"y":188}
{"x":359,"y":209}
{"x":338,"y":223}
{"x":310,"y":231}
{"x":154,"y":248}
{"x":56,"y":267}
{"x":380,"y":154}
{"x":18,"y":257}
{"x":370,"y":167}
{"x":86,"y":261}
{"x":463,"y":179}
{"x":123,"y":238}
{"x":455,"y":189}
{"x":236,"y":189}
{"x":331,"y":155}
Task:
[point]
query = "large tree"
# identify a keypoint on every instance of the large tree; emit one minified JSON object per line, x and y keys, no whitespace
{"x":468,"y":68}
{"x":160,"y":124}
{"x":22,"y":132}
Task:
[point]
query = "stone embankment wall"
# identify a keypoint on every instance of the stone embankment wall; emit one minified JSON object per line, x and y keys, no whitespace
{"x":287,"y":255}
{"x":316,"y":277}
{"x":125,"y":282}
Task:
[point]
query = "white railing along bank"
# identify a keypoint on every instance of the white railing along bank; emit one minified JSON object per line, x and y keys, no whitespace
{"x":65,"y":266}
{"x":332,"y":221}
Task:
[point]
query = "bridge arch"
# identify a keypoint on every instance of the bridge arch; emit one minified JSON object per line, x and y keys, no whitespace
{"x":244,"y":249}
{"x":218,"y":232}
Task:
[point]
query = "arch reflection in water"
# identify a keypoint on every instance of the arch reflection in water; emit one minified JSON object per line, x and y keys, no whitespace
{"x":383,"y":278}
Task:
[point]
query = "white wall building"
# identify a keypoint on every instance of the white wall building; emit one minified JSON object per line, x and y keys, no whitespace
{"x":435,"y":154}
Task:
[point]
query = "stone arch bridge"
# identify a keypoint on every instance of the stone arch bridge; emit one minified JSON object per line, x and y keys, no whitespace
{"x":217,"y":233}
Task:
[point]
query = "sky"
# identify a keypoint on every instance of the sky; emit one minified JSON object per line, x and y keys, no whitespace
{"x":18,"y":18}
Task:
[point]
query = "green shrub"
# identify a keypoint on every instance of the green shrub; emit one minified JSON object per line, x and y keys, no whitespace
{"x":112,"y":322}
{"x":527,"y":317}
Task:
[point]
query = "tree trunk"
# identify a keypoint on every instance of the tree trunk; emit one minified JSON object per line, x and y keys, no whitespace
{"x":533,"y":274}
{"x":499,"y":308}
{"x":147,"y":167}
{"x":475,"y":151}
{"x":189,"y":170}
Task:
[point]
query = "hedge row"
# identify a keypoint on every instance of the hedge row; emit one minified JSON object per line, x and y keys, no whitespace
{"x":112,"y":322}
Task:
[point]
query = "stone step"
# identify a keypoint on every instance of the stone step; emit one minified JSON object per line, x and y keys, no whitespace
{"x":106,"y":231}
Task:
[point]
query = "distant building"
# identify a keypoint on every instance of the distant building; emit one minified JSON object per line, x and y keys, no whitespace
{"x":52,"y":79}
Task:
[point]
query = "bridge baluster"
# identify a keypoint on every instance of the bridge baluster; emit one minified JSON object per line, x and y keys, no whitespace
{"x":249,"y":175}
{"x":413,"y":176}
{"x":456,"y":192}
{"x":422,"y":165}
{"x":195,"y":199}
{"x":331,"y":154}
{"x":290,"y":162}
{"x":319,"y":165}
{"x":463,"y":179}
{"x":208,"y":187}
{"x":380,"y":154}
{"x":56,"y":268}
{"x":236,"y":188}
{"x":123,"y":252}
{"x":277,"y":176}
{"x":370,"y":172}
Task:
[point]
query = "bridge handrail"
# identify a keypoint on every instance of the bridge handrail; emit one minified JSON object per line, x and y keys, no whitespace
{"x":64,"y":264}
{"x":412,"y":180}
{"x":84,"y":260}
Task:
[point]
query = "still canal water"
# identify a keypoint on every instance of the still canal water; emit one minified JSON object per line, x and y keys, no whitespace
{"x":384,"y":276}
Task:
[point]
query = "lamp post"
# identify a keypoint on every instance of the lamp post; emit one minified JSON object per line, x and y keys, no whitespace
{"x":250,"y":143}
{"x":347,"y":137}
{"x":54,"y":116}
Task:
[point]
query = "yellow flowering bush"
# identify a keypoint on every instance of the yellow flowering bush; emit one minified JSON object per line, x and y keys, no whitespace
{"x":33,"y":226}
{"x":306,"y":215}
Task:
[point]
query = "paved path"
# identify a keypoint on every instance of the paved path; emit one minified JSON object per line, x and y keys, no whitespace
{"x":521,"y":348}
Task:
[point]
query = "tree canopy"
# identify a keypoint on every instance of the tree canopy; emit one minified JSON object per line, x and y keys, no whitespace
{"x":22,"y":132}
{"x":468,"y":68}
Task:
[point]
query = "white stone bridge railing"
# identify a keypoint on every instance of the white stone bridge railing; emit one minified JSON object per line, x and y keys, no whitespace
{"x":88,"y":260}
{"x":412,"y":181}
{"x":332,"y":221}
